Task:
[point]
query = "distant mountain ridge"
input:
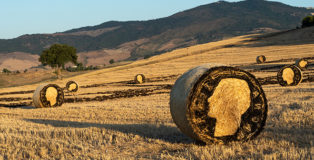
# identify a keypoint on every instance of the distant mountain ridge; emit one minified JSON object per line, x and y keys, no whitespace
{"x":202,"y":24}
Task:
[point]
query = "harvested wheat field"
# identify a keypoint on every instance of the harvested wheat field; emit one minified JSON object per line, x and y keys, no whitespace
{"x":110,"y":117}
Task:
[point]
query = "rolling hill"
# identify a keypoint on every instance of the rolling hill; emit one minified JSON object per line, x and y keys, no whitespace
{"x":132,"y":40}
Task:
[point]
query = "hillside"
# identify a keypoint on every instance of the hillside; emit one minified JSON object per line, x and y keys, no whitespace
{"x":293,"y":38}
{"x":199,"y":25}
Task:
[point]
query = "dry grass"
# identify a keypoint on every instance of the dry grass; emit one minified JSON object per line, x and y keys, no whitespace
{"x":141,"y":127}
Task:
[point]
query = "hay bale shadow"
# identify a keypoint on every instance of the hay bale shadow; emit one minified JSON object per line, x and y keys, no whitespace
{"x":290,"y":134}
{"x":263,"y":67}
{"x":160,"y":132}
{"x":293,"y":106}
{"x":26,"y":107}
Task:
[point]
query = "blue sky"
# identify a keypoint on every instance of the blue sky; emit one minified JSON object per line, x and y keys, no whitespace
{"x":20,"y":17}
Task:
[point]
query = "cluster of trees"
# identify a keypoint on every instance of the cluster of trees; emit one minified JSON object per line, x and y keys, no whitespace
{"x":80,"y":67}
{"x":7,"y":71}
{"x":308,"y":21}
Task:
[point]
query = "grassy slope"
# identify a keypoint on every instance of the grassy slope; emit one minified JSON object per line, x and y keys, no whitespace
{"x":141,"y":126}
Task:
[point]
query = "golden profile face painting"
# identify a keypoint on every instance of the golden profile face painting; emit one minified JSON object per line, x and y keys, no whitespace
{"x":289,"y":75}
{"x":218,"y":104}
{"x":260,"y":59}
{"x":48,"y":95}
{"x":72,"y":86}
{"x":139,"y":78}
{"x":302,"y":63}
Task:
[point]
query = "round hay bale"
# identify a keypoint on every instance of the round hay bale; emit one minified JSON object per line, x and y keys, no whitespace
{"x":214,"y":103}
{"x":301,"y":63}
{"x":139,"y":78}
{"x":50,"y":95}
{"x":72,"y":86}
{"x":289,"y":75}
{"x":260,"y":59}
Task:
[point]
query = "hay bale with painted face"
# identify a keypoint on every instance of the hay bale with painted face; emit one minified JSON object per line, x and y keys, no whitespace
{"x":72,"y":86}
{"x":48,"y":95}
{"x":215,"y":103}
{"x":139,"y":78}
{"x":260,"y":59}
{"x":302,"y":63}
{"x":289,"y":75}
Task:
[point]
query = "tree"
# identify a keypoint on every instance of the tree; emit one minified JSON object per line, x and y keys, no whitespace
{"x":57,"y":55}
{"x":111,"y":61}
{"x":308,"y":21}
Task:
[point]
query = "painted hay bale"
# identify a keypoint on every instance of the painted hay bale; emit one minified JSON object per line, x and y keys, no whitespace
{"x":289,"y":75}
{"x":72,"y":86}
{"x":214,"y":103}
{"x":301,"y":63}
{"x":48,"y":95}
{"x":260,"y":59}
{"x":139,"y":78}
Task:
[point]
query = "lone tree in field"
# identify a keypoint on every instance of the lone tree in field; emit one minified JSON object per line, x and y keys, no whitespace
{"x":111,"y":61}
{"x":57,"y":55}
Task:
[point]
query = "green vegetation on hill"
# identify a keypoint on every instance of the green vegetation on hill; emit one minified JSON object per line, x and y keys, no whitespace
{"x":202,"y":24}
{"x":308,"y":21}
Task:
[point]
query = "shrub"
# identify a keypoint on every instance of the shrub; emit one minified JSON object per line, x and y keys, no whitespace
{"x":5,"y":70}
{"x":308,"y":21}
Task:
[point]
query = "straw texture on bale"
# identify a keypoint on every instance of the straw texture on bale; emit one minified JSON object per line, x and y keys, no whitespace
{"x":50,"y":95}
{"x":215,"y":103}
{"x":289,"y":75}
{"x":260,"y":59}
{"x":301,"y":63}
{"x":72,"y":86}
{"x":139,"y":78}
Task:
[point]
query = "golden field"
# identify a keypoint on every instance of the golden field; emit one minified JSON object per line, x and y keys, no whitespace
{"x":111,"y":118}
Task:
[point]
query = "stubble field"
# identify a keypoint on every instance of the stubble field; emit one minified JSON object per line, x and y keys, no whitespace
{"x":112,"y":118}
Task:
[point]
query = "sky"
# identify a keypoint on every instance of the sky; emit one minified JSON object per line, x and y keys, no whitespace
{"x":19,"y":17}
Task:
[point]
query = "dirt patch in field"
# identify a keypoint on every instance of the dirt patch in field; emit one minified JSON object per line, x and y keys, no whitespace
{"x":161,"y":89}
{"x":16,"y":105}
{"x":18,"y":92}
{"x":14,"y":99}
{"x":130,"y":82}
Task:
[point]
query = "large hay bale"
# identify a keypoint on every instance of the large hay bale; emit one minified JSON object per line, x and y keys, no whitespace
{"x":260,"y":59}
{"x":139,"y":78}
{"x":289,"y":75}
{"x":214,"y":103}
{"x":72,"y":86}
{"x":301,"y":63}
{"x":50,"y":95}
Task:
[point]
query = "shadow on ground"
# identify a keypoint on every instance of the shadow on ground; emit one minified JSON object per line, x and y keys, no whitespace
{"x":161,"y":132}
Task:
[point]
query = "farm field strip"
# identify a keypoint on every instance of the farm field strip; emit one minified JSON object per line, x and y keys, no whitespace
{"x":144,"y":90}
{"x":123,"y":89}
